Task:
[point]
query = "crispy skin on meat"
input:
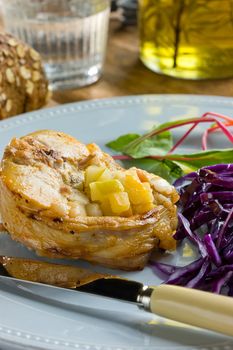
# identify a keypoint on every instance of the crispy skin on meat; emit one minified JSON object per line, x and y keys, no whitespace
{"x":41,"y":171}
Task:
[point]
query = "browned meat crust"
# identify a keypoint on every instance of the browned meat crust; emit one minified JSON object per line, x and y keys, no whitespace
{"x":39,"y":173}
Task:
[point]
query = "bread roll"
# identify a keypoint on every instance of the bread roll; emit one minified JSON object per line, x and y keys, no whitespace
{"x":23,"y":84}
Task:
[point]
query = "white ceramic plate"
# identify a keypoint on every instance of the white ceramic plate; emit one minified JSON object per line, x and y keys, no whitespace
{"x":38,"y":317}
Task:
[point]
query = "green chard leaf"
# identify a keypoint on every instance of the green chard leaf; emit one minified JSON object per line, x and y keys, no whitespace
{"x":157,"y":131}
{"x":164,"y":168}
{"x":122,"y":141}
{"x":156,"y":145}
{"x":150,"y":152}
{"x":194,"y":161}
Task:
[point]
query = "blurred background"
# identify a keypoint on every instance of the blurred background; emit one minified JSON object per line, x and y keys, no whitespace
{"x":148,"y":46}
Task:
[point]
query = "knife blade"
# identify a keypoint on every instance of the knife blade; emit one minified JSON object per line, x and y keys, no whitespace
{"x":193,"y":307}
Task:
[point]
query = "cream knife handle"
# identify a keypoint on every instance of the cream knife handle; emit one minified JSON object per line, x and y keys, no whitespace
{"x":193,"y":307}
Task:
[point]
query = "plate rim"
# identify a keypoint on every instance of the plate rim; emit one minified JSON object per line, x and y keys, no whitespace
{"x":11,"y":336}
{"x":104,"y":103}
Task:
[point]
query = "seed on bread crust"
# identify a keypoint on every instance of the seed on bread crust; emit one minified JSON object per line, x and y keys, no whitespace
{"x":36,"y":75}
{"x":29,"y":87}
{"x":9,"y":105}
{"x":34,"y":55}
{"x":10,"y":62}
{"x":17,"y":81}
{"x":22,"y":61}
{"x":10,"y":76}
{"x":36,"y":65}
{"x":12,"y":42}
{"x":25,"y":73}
{"x":20,"y":51}
{"x":3,"y":97}
{"x":5,"y":52}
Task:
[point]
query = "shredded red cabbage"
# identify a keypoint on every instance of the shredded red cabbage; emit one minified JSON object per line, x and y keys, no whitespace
{"x":206,"y":219}
{"x":212,"y":250}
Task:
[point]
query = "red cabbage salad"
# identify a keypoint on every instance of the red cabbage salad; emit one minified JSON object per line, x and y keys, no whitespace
{"x":206,"y":219}
{"x":204,"y":181}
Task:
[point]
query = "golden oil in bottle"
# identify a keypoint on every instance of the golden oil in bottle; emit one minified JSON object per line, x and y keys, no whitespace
{"x":191,"y":39}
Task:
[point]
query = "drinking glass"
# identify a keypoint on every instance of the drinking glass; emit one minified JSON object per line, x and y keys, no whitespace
{"x":70,"y":35}
{"x":190,"y":39}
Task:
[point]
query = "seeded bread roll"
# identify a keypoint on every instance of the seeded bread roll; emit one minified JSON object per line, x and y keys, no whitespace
{"x":23,"y":84}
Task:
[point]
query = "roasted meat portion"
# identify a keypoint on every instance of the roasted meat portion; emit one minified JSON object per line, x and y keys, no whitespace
{"x":65,"y":199}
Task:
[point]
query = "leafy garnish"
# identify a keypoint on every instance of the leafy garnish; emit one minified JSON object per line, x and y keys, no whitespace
{"x":206,"y":117}
{"x":192,"y":162}
{"x":164,"y":128}
{"x":164,"y":168}
{"x":122,"y":141}
{"x":157,"y":145}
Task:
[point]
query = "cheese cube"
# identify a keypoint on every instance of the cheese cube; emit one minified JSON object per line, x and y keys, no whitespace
{"x":138,"y":192}
{"x":92,"y":173}
{"x":119,"y":202}
{"x":106,"y":175}
{"x":106,"y":208}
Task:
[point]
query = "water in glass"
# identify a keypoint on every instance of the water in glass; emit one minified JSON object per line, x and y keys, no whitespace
{"x":70,"y":35}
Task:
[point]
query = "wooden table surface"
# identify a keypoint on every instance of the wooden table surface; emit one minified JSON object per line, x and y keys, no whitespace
{"x":124,"y":74}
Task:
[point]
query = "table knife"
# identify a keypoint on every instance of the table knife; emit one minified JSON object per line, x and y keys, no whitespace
{"x":193,"y":307}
